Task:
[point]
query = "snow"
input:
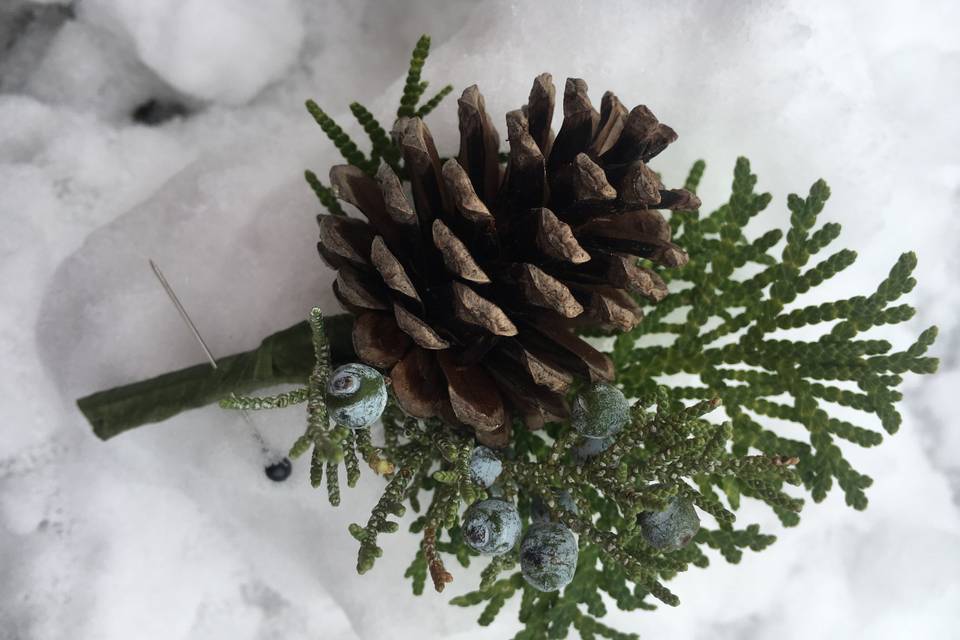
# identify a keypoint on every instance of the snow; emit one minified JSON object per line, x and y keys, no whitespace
{"x":173,"y":531}
{"x":218,"y":50}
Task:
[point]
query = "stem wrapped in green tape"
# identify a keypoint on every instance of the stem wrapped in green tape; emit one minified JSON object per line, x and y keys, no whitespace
{"x":283,"y":357}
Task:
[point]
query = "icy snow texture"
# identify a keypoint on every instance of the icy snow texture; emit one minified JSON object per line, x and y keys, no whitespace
{"x":221,"y":50}
{"x":174,"y":532}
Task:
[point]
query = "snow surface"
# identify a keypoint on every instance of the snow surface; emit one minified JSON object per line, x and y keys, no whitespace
{"x":173,"y":531}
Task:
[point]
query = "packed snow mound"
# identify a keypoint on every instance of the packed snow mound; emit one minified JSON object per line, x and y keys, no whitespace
{"x":224,"y":51}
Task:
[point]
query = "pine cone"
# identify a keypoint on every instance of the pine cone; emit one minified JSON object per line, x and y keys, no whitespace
{"x":470,"y":297}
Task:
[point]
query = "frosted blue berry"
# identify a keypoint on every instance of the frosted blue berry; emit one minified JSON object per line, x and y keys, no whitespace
{"x":485,"y":466}
{"x":356,"y":395}
{"x":491,"y":526}
{"x":599,"y":411}
{"x":670,"y":529}
{"x":587,"y":449}
{"x":540,"y":512}
{"x":548,"y":556}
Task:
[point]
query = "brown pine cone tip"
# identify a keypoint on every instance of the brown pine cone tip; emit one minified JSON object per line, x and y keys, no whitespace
{"x":470,"y":297}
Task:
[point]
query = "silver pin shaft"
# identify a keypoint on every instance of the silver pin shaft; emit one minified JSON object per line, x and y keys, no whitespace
{"x":183,"y":313}
{"x":206,"y":350}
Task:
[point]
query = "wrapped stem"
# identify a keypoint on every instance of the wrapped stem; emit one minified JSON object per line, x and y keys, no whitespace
{"x":283,"y":357}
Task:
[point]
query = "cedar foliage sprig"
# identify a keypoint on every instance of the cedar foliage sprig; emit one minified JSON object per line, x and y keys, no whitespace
{"x":725,"y":317}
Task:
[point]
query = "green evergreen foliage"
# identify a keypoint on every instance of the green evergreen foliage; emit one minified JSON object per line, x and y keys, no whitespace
{"x":414,"y":88}
{"x":725,"y":316}
{"x":382,"y":147}
{"x":324,"y":194}
{"x":433,"y":102}
{"x":255,"y":403}
{"x":347,"y":148}
{"x":666,"y":449}
{"x":327,"y":442}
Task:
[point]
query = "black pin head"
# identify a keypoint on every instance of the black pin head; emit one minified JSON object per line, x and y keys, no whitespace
{"x":279,"y":471}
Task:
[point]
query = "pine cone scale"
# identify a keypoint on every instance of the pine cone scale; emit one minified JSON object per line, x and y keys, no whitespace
{"x":465,"y":199}
{"x":613,"y":116}
{"x":526,"y":170}
{"x":456,"y":255}
{"x":422,"y":162}
{"x":474,"y":309}
{"x":535,"y":404}
{"x":394,"y":199}
{"x":391,"y":269}
{"x":543,"y":290}
{"x":555,"y":238}
{"x":575,"y":354}
{"x":543,"y":372}
{"x":580,"y":120}
{"x":590,"y":182}
{"x":418,"y":330}
{"x":359,"y":290}
{"x":344,"y":239}
{"x":378,"y":340}
{"x":539,"y":111}
{"x":474,"y":395}
{"x":419,"y":384}
{"x":479,"y":144}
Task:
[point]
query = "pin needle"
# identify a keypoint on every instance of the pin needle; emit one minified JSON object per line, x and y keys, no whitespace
{"x":277,"y":471}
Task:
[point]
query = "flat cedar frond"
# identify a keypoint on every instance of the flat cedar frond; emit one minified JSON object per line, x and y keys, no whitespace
{"x":724,"y":316}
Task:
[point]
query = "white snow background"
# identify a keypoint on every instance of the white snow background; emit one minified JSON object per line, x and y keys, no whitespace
{"x":172,"y":531}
